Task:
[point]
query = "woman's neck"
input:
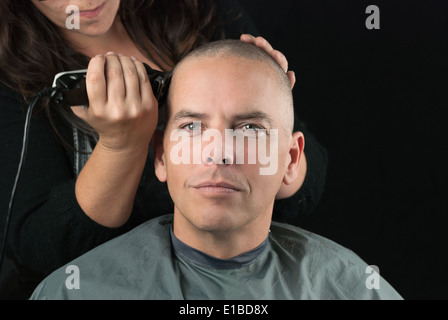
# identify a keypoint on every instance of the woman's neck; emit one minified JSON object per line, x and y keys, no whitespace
{"x":116,"y":39}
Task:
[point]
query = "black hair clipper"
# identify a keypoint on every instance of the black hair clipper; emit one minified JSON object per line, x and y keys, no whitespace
{"x":70,"y":86}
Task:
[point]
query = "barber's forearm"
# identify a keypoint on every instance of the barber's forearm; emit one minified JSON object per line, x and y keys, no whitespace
{"x":106,"y":187}
{"x":287,"y":191}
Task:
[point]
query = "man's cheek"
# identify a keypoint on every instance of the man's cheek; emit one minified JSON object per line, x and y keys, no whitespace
{"x":267,"y":153}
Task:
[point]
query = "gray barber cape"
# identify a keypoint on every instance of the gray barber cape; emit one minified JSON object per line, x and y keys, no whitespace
{"x":150,"y":263}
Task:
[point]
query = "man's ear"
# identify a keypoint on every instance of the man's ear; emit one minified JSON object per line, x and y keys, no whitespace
{"x":295,"y":153}
{"x":159,"y":157}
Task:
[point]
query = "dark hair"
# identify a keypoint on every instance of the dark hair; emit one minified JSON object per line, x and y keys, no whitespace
{"x":33,"y":50}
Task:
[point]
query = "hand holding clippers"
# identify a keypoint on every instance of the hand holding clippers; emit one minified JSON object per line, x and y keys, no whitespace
{"x":71,"y":86}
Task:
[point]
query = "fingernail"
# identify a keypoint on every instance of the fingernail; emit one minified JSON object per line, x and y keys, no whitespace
{"x":110,"y":52}
{"x":133,"y":58}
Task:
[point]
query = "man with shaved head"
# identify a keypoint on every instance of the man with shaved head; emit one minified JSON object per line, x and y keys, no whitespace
{"x":229,"y":116}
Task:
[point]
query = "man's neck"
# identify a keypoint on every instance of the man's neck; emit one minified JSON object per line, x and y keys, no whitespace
{"x":204,"y":259}
{"x":224,"y":244}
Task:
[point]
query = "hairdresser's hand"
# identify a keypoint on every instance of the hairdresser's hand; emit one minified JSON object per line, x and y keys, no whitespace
{"x":122,"y":107}
{"x":277,"y":55}
{"x":123,"y":110}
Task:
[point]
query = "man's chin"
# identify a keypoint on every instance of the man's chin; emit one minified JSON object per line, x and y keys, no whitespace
{"x":213,"y":218}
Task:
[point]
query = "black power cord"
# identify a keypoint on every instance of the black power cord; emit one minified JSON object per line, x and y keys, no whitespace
{"x":39,"y":95}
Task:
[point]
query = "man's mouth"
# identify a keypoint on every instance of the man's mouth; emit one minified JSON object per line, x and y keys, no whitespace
{"x":216,"y":187}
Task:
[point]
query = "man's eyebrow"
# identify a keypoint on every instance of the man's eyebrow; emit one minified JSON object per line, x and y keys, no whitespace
{"x":255,"y":115}
{"x":189,"y":114}
{"x":252,"y":115}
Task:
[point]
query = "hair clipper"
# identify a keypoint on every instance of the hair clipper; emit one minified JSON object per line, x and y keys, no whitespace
{"x":70,"y":86}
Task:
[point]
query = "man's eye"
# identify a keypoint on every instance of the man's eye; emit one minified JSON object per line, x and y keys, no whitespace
{"x":250,"y":127}
{"x":193,"y":126}
{"x":254,"y":129}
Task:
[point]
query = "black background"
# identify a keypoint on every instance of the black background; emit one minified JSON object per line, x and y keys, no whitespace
{"x":375,"y":100}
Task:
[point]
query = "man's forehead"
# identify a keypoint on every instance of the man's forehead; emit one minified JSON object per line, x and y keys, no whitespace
{"x":221,"y":81}
{"x":222,"y":72}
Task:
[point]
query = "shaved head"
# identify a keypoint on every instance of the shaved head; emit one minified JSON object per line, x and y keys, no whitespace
{"x":254,"y":55}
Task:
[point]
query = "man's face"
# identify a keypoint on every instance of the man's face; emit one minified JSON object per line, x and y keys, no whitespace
{"x":222,"y":93}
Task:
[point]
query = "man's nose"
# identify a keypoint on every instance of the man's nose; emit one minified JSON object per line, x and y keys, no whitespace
{"x":217,"y":160}
{"x":225,"y":156}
